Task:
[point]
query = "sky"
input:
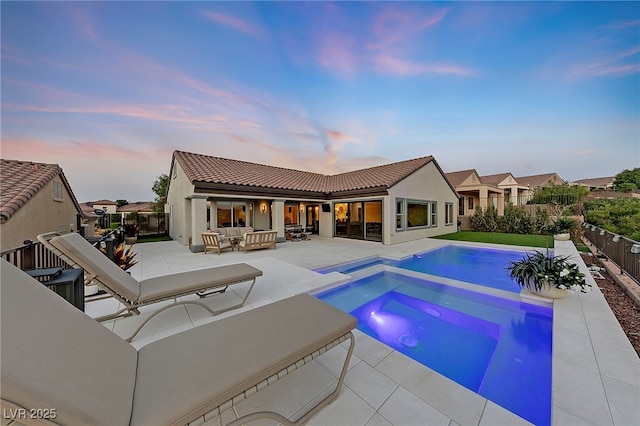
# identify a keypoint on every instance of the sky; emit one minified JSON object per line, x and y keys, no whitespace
{"x":108,"y":90}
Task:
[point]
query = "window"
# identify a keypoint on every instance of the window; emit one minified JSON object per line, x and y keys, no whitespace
{"x":461,"y":206}
{"x":448,"y":213}
{"x":291,"y":214}
{"x":417,"y":214}
{"x":231,"y":214}
{"x":434,"y":214}
{"x":470,"y":203}
{"x":57,"y":190}
{"x":399,"y":214}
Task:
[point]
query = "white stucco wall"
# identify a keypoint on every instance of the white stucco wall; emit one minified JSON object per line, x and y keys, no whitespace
{"x":39,"y":215}
{"x":179,"y":206}
{"x":425,"y":184}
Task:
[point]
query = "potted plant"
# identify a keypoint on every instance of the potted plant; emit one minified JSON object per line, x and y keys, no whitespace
{"x":130,"y":233}
{"x":561,"y":228}
{"x":548,"y":275}
{"x":122,"y":256}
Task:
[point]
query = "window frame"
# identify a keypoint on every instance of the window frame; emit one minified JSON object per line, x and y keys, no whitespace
{"x":448,"y":214}
{"x":58,"y":190}
{"x":401,"y":217}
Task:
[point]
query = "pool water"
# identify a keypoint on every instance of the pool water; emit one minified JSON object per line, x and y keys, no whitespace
{"x":480,"y":266}
{"x":499,"y":348}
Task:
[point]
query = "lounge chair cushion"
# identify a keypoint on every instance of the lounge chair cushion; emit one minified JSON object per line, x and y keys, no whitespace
{"x":223,"y":361}
{"x":92,"y":260}
{"x":191,"y":281}
{"x":54,"y":356}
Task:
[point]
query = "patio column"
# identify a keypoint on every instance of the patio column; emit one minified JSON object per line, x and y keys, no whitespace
{"x":198,"y":222}
{"x":501,"y":203}
{"x":514,"y":195}
{"x":277,"y":218}
{"x":484,"y":198}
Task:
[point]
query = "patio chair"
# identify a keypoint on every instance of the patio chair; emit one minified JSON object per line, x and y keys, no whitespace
{"x":60,"y":365}
{"x":214,"y":242}
{"x":78,"y":252}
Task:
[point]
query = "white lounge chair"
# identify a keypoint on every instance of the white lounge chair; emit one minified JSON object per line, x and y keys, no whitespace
{"x":133,"y":294}
{"x":60,"y":365}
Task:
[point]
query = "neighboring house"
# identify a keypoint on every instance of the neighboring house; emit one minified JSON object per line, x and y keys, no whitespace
{"x":141,"y":212}
{"x":34,"y":198}
{"x":107,"y":206}
{"x":535,"y":182}
{"x":514,"y":192}
{"x":596,"y":184}
{"x":392,"y":203}
{"x":140,"y":207}
{"x":474,"y":192}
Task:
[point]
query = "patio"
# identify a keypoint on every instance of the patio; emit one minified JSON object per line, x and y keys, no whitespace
{"x":595,"y":369}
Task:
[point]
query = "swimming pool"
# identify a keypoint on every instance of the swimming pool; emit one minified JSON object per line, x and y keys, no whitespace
{"x":481,"y":266}
{"x":497,"y":347}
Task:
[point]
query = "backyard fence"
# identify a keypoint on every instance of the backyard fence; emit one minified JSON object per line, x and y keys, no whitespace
{"x":149,"y":224}
{"x":34,"y":255}
{"x":623,"y":251}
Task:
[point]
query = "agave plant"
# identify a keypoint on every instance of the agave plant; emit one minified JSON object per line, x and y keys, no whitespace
{"x":538,"y":270}
{"x":123,"y":256}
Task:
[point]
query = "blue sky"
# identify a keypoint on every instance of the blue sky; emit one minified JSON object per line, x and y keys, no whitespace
{"x":109,"y":90}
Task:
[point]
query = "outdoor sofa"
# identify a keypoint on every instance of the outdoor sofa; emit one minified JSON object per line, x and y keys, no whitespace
{"x":78,"y":252}
{"x":60,"y":365}
{"x":258,"y":240}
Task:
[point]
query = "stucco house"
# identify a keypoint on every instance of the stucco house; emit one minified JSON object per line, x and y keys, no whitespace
{"x":392,"y":203}
{"x":474,"y":192}
{"x":34,"y":198}
{"x":514,"y":191}
{"x":597,"y":184}
{"x":540,"y":181}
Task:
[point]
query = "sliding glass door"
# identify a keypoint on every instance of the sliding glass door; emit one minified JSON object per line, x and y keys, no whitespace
{"x":361,"y":220}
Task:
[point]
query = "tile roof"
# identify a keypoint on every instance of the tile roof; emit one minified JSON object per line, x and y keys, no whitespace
{"x":494,"y":179}
{"x":138,"y":206}
{"x":21,"y":180}
{"x":536,"y":180}
{"x":456,"y":178}
{"x":596,"y":182}
{"x":208,"y":169}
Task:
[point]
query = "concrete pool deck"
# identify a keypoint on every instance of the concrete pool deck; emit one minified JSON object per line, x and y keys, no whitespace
{"x":596,"y":372}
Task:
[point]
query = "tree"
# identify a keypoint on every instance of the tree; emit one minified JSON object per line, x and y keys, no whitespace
{"x":563,"y":198}
{"x":160,"y":185}
{"x":627,"y":180}
{"x":160,"y":189}
{"x":121,"y":203}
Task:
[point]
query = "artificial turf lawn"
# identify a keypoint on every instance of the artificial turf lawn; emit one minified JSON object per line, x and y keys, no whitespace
{"x":545,"y":241}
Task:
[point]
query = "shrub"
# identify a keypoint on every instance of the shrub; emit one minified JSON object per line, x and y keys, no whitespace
{"x":515,"y":220}
{"x":486,"y":220}
{"x":540,"y":220}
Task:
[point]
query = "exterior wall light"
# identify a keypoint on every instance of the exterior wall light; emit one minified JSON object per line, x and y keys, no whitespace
{"x":635,"y":249}
{"x":616,"y":238}
{"x":263,"y":208}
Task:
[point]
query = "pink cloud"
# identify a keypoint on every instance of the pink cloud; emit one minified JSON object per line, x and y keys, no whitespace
{"x":338,"y":136}
{"x":625,"y":24}
{"x":390,"y":65}
{"x":610,"y":65}
{"x":393,"y":26}
{"x":45,"y":151}
{"x":384,"y":46}
{"x":236,"y":23}
{"x":338,"y":52}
